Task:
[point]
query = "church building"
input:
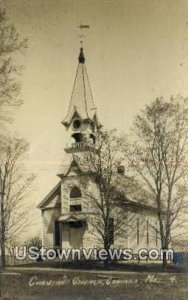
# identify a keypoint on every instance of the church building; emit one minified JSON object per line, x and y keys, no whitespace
{"x":64,"y":209}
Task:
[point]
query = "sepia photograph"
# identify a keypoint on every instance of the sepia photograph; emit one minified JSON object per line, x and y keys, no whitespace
{"x":93,"y":149}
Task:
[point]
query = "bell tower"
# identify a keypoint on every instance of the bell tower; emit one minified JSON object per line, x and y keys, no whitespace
{"x":81,"y":122}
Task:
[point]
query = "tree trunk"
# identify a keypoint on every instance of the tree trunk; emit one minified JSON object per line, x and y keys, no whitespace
{"x":106,"y":247}
{"x":165,"y":247}
{"x":164,"y":261}
{"x":3,"y":260}
{"x":163,"y":241}
{"x":2,"y":224}
{"x":106,"y":263}
{"x":2,"y":247}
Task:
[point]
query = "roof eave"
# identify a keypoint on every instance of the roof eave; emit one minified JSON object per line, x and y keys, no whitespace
{"x":42,"y":204}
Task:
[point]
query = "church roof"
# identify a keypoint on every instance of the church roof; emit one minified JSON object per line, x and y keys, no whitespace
{"x":70,"y":162}
{"x":52,"y":199}
{"x":81,"y":102}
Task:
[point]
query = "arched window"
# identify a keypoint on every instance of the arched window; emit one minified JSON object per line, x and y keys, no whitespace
{"x":75,"y":192}
{"x":77,"y":137}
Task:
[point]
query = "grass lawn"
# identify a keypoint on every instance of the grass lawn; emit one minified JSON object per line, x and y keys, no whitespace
{"x":22,"y":283}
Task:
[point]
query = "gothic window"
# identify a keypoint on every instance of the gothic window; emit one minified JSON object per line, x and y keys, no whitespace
{"x":75,"y":192}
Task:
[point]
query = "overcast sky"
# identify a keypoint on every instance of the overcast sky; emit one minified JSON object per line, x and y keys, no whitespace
{"x":136,"y":50}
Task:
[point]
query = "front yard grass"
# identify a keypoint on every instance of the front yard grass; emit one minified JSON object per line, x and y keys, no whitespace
{"x":67,"y":284}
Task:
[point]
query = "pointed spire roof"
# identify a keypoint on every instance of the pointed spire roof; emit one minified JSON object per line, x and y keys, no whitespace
{"x":81,"y":102}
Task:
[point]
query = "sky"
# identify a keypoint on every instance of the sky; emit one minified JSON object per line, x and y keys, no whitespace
{"x":136,"y":50}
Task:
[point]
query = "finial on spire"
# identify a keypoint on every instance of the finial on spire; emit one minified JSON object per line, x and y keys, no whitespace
{"x":81,"y":57}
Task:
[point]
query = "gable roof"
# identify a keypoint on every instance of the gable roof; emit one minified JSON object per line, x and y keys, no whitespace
{"x":71,"y":161}
{"x":54,"y":194}
{"x":130,"y":192}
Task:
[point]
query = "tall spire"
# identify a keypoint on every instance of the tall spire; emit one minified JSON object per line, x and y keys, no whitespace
{"x":81,"y":99}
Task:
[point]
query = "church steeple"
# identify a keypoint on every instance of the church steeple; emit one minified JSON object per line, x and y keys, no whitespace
{"x":81,"y":121}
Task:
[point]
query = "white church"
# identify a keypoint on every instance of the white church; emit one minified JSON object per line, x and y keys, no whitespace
{"x":64,"y":210}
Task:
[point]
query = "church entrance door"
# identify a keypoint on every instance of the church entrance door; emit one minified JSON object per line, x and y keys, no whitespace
{"x":76,"y":232}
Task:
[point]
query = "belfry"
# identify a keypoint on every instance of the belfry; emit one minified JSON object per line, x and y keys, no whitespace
{"x":81,"y":121}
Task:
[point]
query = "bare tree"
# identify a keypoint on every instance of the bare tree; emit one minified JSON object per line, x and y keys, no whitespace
{"x":157,"y":159}
{"x":15,"y":188}
{"x":108,"y":218}
{"x":10,"y":47}
{"x":34,"y":241}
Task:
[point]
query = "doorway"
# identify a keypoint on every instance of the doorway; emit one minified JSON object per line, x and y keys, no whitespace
{"x":76,"y":233}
